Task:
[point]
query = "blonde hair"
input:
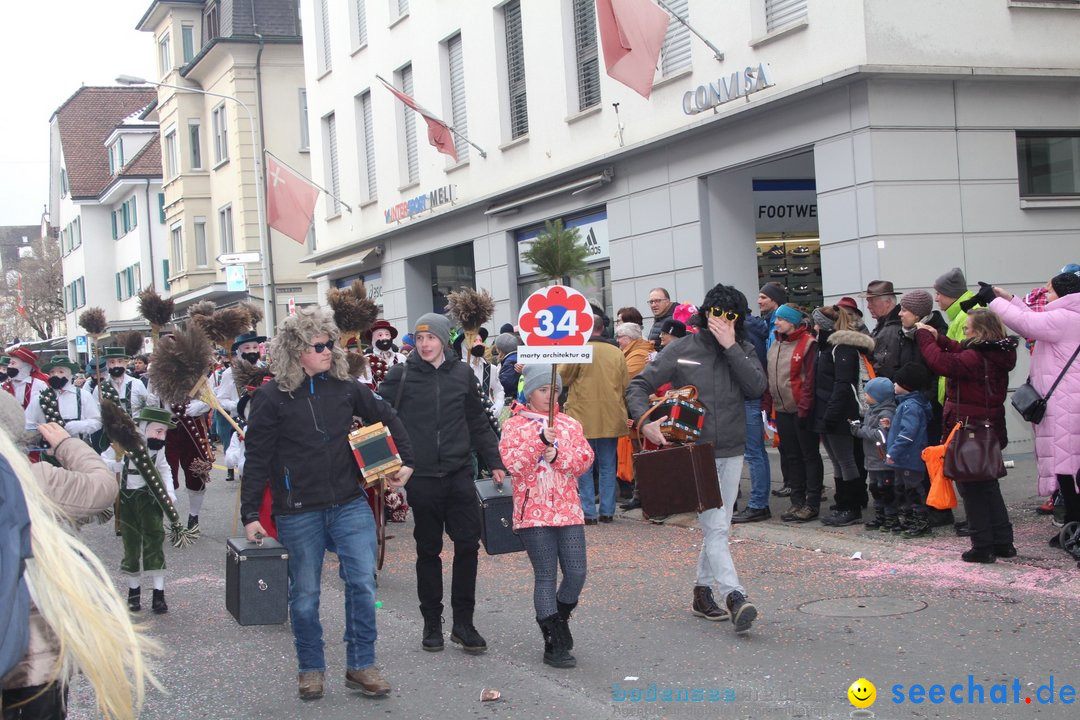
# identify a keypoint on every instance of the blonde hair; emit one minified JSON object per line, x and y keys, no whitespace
{"x":72,"y":591}
{"x":846,"y":319}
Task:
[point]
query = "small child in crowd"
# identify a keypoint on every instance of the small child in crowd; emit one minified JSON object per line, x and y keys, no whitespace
{"x":874,"y":432}
{"x":544,"y":462}
{"x":906,"y":441}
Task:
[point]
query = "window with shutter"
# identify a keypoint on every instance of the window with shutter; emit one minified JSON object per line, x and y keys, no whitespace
{"x":225,"y":229}
{"x":161,"y":207}
{"x":165,"y":273}
{"x":588,"y":61}
{"x":515,"y":70}
{"x":412,"y":155}
{"x":779,"y":13}
{"x":367,"y":134}
{"x":458,"y":119}
{"x":333,"y":179}
{"x":323,"y":47}
{"x":675,"y":53}
{"x":200,"y":242}
{"x":305,"y":139}
{"x":402,"y":7}
{"x":360,"y":27}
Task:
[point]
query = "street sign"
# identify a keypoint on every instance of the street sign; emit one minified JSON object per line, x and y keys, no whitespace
{"x":556,"y":323}
{"x":80,"y":343}
{"x":240,"y":258}
{"x":235,"y":278}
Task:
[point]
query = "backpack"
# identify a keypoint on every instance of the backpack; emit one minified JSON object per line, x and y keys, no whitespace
{"x":866,"y":374}
{"x":14,"y":551}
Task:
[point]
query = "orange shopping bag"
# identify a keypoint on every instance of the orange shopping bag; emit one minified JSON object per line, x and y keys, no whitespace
{"x":942,"y":495}
{"x":624,"y":469}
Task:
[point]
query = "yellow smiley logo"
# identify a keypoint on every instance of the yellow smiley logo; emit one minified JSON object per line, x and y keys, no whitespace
{"x":862,"y":693}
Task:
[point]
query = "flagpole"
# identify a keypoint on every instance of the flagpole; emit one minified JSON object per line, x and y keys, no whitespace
{"x":716,"y":51}
{"x":308,"y":180}
{"x":479,"y":149}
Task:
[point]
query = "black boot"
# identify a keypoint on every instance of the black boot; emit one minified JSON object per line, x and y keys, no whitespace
{"x":433,"y":637}
{"x":465,"y":635}
{"x":564,"y":617}
{"x":559,"y":656}
{"x":877,"y":522}
{"x":134,"y":599}
{"x":230,"y":475}
{"x":158,"y":603}
{"x":192,"y":522}
{"x":919,"y":526}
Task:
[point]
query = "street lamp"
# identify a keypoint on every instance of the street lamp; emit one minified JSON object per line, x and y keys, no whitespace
{"x":260,"y":187}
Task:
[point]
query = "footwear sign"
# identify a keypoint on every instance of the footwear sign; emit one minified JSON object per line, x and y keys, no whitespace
{"x":555,"y":323}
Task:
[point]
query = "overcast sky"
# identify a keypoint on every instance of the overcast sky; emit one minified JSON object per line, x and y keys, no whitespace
{"x":48,"y":49}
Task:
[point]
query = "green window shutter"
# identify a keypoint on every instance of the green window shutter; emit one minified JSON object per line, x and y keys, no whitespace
{"x":165,"y":272}
{"x":161,"y":208}
{"x":134,"y":212}
{"x":117,"y":286}
{"x":113,"y":216}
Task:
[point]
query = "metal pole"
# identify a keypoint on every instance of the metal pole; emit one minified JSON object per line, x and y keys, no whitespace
{"x":716,"y":51}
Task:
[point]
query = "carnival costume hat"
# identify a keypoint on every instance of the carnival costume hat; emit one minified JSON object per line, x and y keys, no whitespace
{"x":160,"y":416}
{"x":246,"y":338}
{"x":380,"y":324}
{"x":61,"y":361}
{"x":294,"y":336}
{"x":25,"y":354}
{"x":116,"y":353}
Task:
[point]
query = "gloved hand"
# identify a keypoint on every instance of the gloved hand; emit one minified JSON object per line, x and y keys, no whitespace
{"x":853,"y":426}
{"x":981,"y":298}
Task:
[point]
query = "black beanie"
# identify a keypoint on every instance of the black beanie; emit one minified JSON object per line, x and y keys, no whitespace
{"x":1065,"y":284}
{"x":912,"y":377}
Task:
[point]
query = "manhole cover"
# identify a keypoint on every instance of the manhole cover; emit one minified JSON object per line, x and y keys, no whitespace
{"x":863,"y":606}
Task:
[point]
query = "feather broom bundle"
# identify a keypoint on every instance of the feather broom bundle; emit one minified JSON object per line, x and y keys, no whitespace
{"x":125,"y":436}
{"x":357,"y":364}
{"x":227,"y":323}
{"x":180,"y":362}
{"x":156,"y":310}
{"x":354,"y":311}
{"x":470,"y":309}
{"x":246,"y":375}
{"x":93,"y":321}
{"x":131,"y":341}
{"x":255,"y":314}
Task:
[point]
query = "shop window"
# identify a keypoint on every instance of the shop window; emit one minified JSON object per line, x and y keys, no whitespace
{"x":788,"y":247}
{"x":593,"y":230}
{"x":451,"y":270}
{"x":1049,"y":163}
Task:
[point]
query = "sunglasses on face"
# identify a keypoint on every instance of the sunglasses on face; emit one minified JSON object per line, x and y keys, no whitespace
{"x":720,"y":312}
{"x":319,"y":347}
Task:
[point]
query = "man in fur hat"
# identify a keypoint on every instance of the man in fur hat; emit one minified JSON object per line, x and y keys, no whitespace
{"x":131,"y":392}
{"x":442,"y":495}
{"x":77,"y":409}
{"x":297,"y":443}
{"x":24,"y":380}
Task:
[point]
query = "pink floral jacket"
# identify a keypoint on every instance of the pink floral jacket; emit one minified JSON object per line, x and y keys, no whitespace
{"x":545,"y":495}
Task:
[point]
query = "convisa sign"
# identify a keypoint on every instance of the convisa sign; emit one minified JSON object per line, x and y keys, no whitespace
{"x":726,"y":89}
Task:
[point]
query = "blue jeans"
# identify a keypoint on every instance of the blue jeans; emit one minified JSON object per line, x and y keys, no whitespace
{"x":606,"y":450}
{"x":350,"y":529}
{"x":756,"y":459}
{"x":223,"y":429}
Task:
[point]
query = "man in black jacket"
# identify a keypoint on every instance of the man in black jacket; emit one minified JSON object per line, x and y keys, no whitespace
{"x":438,"y":399}
{"x":881,"y":302}
{"x":297,"y":443}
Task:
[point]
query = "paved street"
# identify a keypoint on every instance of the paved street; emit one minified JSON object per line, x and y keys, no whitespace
{"x":908,"y":612}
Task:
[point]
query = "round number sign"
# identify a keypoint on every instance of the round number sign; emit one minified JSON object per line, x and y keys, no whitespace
{"x":556,"y":315}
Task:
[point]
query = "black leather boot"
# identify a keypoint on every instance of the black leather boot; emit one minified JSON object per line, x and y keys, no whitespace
{"x":433,"y":636}
{"x":564,"y":617}
{"x":559,"y":656}
{"x":134,"y":599}
{"x":158,"y":603}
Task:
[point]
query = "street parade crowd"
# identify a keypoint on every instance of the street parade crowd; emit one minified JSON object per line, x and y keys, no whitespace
{"x":109,"y":442}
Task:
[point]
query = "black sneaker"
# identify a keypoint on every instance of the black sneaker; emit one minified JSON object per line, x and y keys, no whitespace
{"x":842,"y":518}
{"x":631,"y":504}
{"x":134,"y":599}
{"x":776,"y":251}
{"x":782,"y":492}
{"x":705,"y":606}
{"x":467,"y":637}
{"x":742,"y":611}
{"x":749,"y":514}
{"x":606,"y":518}
{"x":801,"y":251}
{"x":433,"y":637}
{"x":230,"y":475}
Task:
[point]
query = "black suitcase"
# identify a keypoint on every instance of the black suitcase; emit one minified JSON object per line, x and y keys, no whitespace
{"x":257,"y":581}
{"x":496,"y":517}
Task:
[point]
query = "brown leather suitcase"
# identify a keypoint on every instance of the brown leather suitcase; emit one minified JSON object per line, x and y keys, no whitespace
{"x":677,"y":479}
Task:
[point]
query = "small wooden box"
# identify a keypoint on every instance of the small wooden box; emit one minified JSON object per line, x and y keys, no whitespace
{"x":375,"y":452}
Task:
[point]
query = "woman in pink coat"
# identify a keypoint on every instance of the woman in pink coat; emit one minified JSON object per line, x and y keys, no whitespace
{"x":1057,"y":334}
{"x":544,"y":462}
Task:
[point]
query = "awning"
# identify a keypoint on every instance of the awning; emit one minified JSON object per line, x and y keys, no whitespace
{"x":354,"y":264}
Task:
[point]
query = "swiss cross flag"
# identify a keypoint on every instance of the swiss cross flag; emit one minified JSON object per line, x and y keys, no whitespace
{"x":438,"y":132}
{"x":631,"y":34}
{"x":290,"y":201}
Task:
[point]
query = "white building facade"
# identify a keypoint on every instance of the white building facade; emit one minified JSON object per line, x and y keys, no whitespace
{"x":837,"y":142}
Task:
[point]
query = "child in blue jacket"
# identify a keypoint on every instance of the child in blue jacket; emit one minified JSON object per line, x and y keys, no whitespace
{"x":906,"y":441}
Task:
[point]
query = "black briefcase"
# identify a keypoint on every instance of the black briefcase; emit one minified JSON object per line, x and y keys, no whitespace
{"x":257,"y":581}
{"x":677,"y":479}
{"x":497,"y":517}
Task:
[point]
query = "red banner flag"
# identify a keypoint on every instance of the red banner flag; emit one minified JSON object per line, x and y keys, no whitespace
{"x":438,"y":132}
{"x":290,"y":201}
{"x":631,"y":34}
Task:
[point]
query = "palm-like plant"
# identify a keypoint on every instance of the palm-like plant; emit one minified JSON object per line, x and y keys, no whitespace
{"x":558,"y":253}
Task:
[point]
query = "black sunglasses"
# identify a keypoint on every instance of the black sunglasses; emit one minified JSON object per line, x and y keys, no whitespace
{"x":319,"y":347}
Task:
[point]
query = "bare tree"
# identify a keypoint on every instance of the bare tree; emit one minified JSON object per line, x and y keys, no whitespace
{"x":34,"y":289}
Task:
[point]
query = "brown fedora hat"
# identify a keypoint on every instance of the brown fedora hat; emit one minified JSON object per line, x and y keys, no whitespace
{"x":878,"y":288}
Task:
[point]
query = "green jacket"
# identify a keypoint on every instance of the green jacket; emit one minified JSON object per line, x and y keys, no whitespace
{"x":956,"y":318}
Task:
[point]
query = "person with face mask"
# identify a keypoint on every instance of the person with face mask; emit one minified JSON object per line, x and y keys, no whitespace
{"x":24,"y":380}
{"x":141,"y":521}
{"x":72,"y":407}
{"x":383,"y":355}
{"x":129,"y":391}
{"x":245,"y":347}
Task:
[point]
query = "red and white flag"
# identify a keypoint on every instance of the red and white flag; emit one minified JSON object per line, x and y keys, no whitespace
{"x":290,"y":201}
{"x":438,"y":132}
{"x":631,"y":34}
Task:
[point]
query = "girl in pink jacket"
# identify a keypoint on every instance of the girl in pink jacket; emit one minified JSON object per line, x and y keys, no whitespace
{"x":544,"y":463}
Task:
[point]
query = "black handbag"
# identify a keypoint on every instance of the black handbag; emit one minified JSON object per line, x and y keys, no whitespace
{"x":974,"y":455}
{"x":1029,"y":403}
